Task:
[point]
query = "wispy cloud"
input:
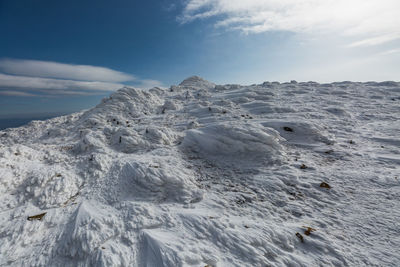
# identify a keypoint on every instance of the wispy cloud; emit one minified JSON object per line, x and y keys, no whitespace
{"x":17,"y":93}
{"x":61,"y":93}
{"x":376,"y":40}
{"x":390,"y":52}
{"x":34,"y":83}
{"x":369,"y":20}
{"x":53,"y":78}
{"x":146,"y":84}
{"x":48,"y":69}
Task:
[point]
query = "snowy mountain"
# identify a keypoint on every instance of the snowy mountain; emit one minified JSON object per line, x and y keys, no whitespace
{"x":276,"y":174}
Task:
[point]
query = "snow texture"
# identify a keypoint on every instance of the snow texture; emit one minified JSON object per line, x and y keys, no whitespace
{"x":208,"y":175}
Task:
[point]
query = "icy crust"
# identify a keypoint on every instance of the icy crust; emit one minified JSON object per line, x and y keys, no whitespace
{"x":208,"y":175}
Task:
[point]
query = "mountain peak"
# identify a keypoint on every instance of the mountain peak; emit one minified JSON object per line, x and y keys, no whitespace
{"x":196,"y":81}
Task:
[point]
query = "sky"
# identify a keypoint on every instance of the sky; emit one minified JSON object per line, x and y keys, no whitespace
{"x":63,"y":56}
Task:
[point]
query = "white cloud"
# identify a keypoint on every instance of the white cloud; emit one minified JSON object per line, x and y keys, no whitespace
{"x":34,"y":83}
{"x":48,"y":69}
{"x":52,"y":78}
{"x":369,"y":20}
{"x":17,"y":93}
{"x":376,"y":40}
{"x":390,"y":52}
{"x":62,"y":93}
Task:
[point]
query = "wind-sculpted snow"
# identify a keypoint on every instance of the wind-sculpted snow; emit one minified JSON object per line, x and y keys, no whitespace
{"x":199,"y":174}
{"x":229,"y":141}
{"x":165,"y":180}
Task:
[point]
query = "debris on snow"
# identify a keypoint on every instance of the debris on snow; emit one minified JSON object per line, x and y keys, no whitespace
{"x":309,"y":230}
{"x":300,"y":236}
{"x":37,"y":217}
{"x":325,"y":185}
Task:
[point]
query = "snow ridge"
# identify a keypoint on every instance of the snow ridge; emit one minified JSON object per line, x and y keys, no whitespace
{"x":199,"y":174}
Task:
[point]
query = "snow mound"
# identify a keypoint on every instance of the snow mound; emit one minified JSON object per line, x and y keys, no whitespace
{"x":197,"y":82}
{"x":30,"y":179}
{"x":128,"y":140}
{"x":242,"y":141}
{"x":300,"y":133}
{"x":89,"y":227}
{"x":121,"y":107}
{"x":162,"y":180}
{"x":157,"y":250}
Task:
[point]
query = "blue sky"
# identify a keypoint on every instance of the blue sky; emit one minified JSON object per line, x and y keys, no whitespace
{"x":63,"y":56}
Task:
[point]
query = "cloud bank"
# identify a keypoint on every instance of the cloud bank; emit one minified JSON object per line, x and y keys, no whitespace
{"x":25,"y":77}
{"x":16,"y":93}
{"x":34,"y":83}
{"x":372,"y":22}
{"x":46,"y":69}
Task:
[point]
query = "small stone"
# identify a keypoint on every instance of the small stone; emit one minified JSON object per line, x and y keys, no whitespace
{"x":325,"y":185}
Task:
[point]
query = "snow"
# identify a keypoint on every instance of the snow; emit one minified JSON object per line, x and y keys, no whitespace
{"x":225,"y":141}
{"x":203,"y":174}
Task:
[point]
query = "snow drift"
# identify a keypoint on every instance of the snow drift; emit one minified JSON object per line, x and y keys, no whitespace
{"x":240,"y":141}
{"x":199,"y":174}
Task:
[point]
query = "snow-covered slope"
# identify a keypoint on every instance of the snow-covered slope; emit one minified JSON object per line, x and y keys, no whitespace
{"x":208,"y":175}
